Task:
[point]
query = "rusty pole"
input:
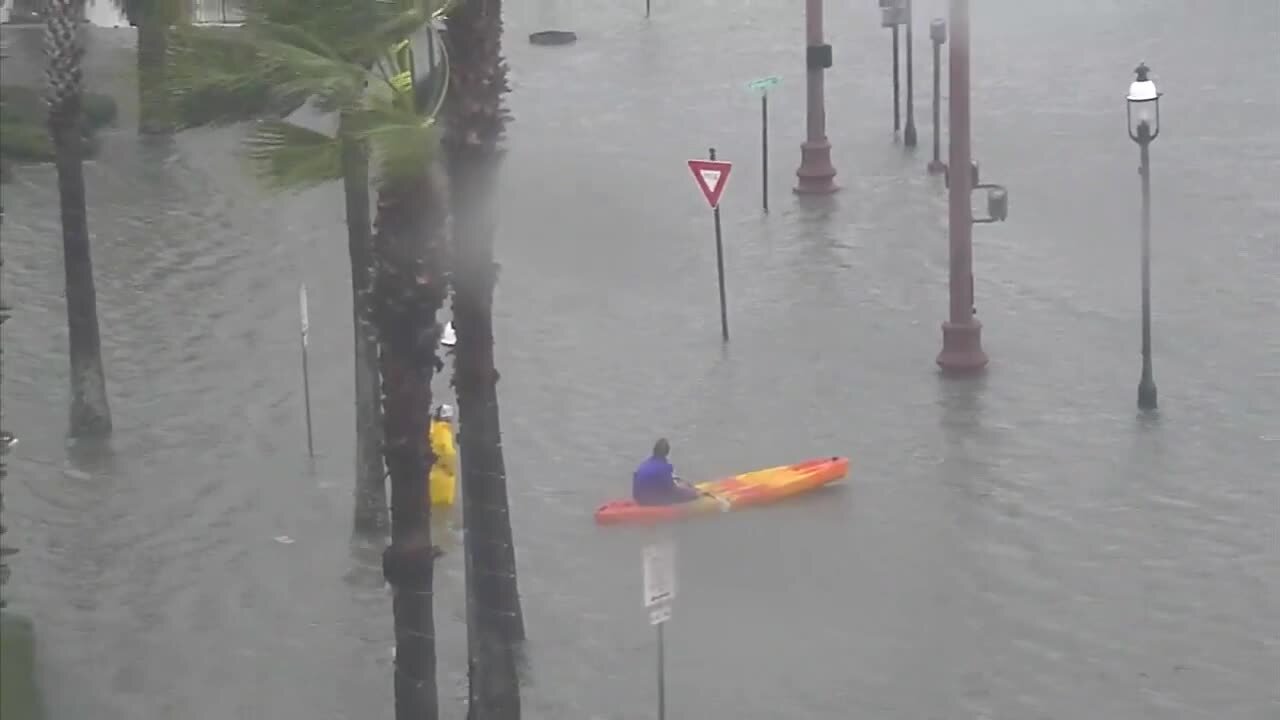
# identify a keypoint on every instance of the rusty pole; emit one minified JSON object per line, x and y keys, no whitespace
{"x":962,"y":333}
{"x":816,"y":173}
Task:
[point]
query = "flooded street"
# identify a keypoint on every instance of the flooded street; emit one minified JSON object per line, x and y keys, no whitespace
{"x":1020,"y":546}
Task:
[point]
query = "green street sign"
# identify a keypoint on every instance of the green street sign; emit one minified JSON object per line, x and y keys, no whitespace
{"x":763,"y":84}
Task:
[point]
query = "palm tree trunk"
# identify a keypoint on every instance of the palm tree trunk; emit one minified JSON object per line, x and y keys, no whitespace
{"x":371,"y":485}
{"x":154,"y":115}
{"x":64,"y":45}
{"x":4,"y":444}
{"x":499,"y":626}
{"x":476,"y":122}
{"x":410,"y":288}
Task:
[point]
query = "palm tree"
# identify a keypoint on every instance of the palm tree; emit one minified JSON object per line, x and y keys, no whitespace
{"x":322,"y":51}
{"x":153,"y":18}
{"x":64,"y":47}
{"x":371,"y":486}
{"x":475,"y":124}
{"x":4,"y":450}
{"x":4,"y":435}
{"x":240,"y":90}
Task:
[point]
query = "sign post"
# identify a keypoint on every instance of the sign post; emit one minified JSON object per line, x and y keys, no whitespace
{"x":711,"y":176}
{"x":306,"y":381}
{"x":659,"y":592}
{"x":762,"y":85}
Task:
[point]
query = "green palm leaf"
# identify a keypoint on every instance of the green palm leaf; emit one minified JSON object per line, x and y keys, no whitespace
{"x":404,"y":142}
{"x":333,"y":80}
{"x":290,"y":52}
{"x":397,"y":27}
{"x":284,"y":155}
{"x":214,"y":76}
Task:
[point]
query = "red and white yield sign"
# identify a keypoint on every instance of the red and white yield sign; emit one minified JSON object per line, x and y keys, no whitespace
{"x":711,"y":176}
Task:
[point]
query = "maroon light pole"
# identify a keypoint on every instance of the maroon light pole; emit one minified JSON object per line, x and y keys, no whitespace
{"x":816,"y":174}
{"x":962,"y":333}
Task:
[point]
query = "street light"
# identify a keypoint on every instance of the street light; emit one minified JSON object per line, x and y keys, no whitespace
{"x":1144,"y":126}
{"x":938,"y":36}
{"x":893,"y":14}
{"x":816,"y":174}
{"x":909,"y":133}
{"x":962,"y":332}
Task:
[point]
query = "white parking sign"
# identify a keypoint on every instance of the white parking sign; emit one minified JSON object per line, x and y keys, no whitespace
{"x":659,"y":574}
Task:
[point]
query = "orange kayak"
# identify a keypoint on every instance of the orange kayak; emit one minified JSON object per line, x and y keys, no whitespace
{"x":758,"y":487}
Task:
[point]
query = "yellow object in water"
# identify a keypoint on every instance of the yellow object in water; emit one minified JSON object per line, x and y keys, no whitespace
{"x":442,"y":483}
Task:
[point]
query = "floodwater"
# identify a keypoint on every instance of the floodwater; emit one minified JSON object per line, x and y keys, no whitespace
{"x":1024,"y":545}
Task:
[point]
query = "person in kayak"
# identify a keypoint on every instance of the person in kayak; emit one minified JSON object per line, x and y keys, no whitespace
{"x":442,"y":481}
{"x":655,"y":481}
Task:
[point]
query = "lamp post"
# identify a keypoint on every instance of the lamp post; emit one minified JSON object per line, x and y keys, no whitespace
{"x":909,"y":133}
{"x":938,"y":36}
{"x":816,"y":174}
{"x":893,"y":13}
{"x":1144,"y":126}
{"x":962,"y":333}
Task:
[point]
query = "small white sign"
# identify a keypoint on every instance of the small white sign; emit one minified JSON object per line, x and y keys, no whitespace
{"x":659,"y":574}
{"x":660,"y":614}
{"x":302,"y":309}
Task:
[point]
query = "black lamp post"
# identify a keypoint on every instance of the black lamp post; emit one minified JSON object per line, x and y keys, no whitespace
{"x":1144,"y":127}
{"x":893,"y":13}
{"x":938,"y":36}
{"x":909,"y":133}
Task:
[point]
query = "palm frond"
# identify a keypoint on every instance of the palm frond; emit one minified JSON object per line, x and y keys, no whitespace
{"x":291,"y":52}
{"x":404,"y":142}
{"x":297,"y":36}
{"x":213,"y":76}
{"x":397,"y":27}
{"x":229,"y":74}
{"x":336,"y":81}
{"x":284,"y":155}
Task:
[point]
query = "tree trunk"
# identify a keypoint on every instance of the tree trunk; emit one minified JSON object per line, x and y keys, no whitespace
{"x":4,"y":443}
{"x":499,"y":626}
{"x":475,"y":124}
{"x":371,"y":480}
{"x":90,"y":415}
{"x":154,"y":113}
{"x":410,"y":287}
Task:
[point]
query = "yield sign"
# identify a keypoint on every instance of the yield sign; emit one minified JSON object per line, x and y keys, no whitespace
{"x":711,"y":176}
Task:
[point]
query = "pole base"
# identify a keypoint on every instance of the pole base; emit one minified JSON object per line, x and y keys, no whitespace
{"x":937,"y":167}
{"x":1147,"y":394}
{"x":816,"y":175}
{"x":909,"y":136}
{"x":962,"y":348}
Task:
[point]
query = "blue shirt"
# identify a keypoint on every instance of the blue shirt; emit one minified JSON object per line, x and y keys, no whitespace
{"x":654,"y":484}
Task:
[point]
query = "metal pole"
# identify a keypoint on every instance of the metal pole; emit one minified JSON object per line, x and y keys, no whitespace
{"x":724,"y":312}
{"x":897,"y":121}
{"x":1146,"y":386}
{"x":306,"y":380}
{"x":662,"y":676}
{"x":960,"y":177}
{"x":306,"y":394}
{"x":935,"y":165}
{"x":816,"y":174}
{"x":909,"y":134}
{"x":431,"y":55}
{"x":962,"y":333}
{"x":764,"y":150}
{"x":646,"y":7}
